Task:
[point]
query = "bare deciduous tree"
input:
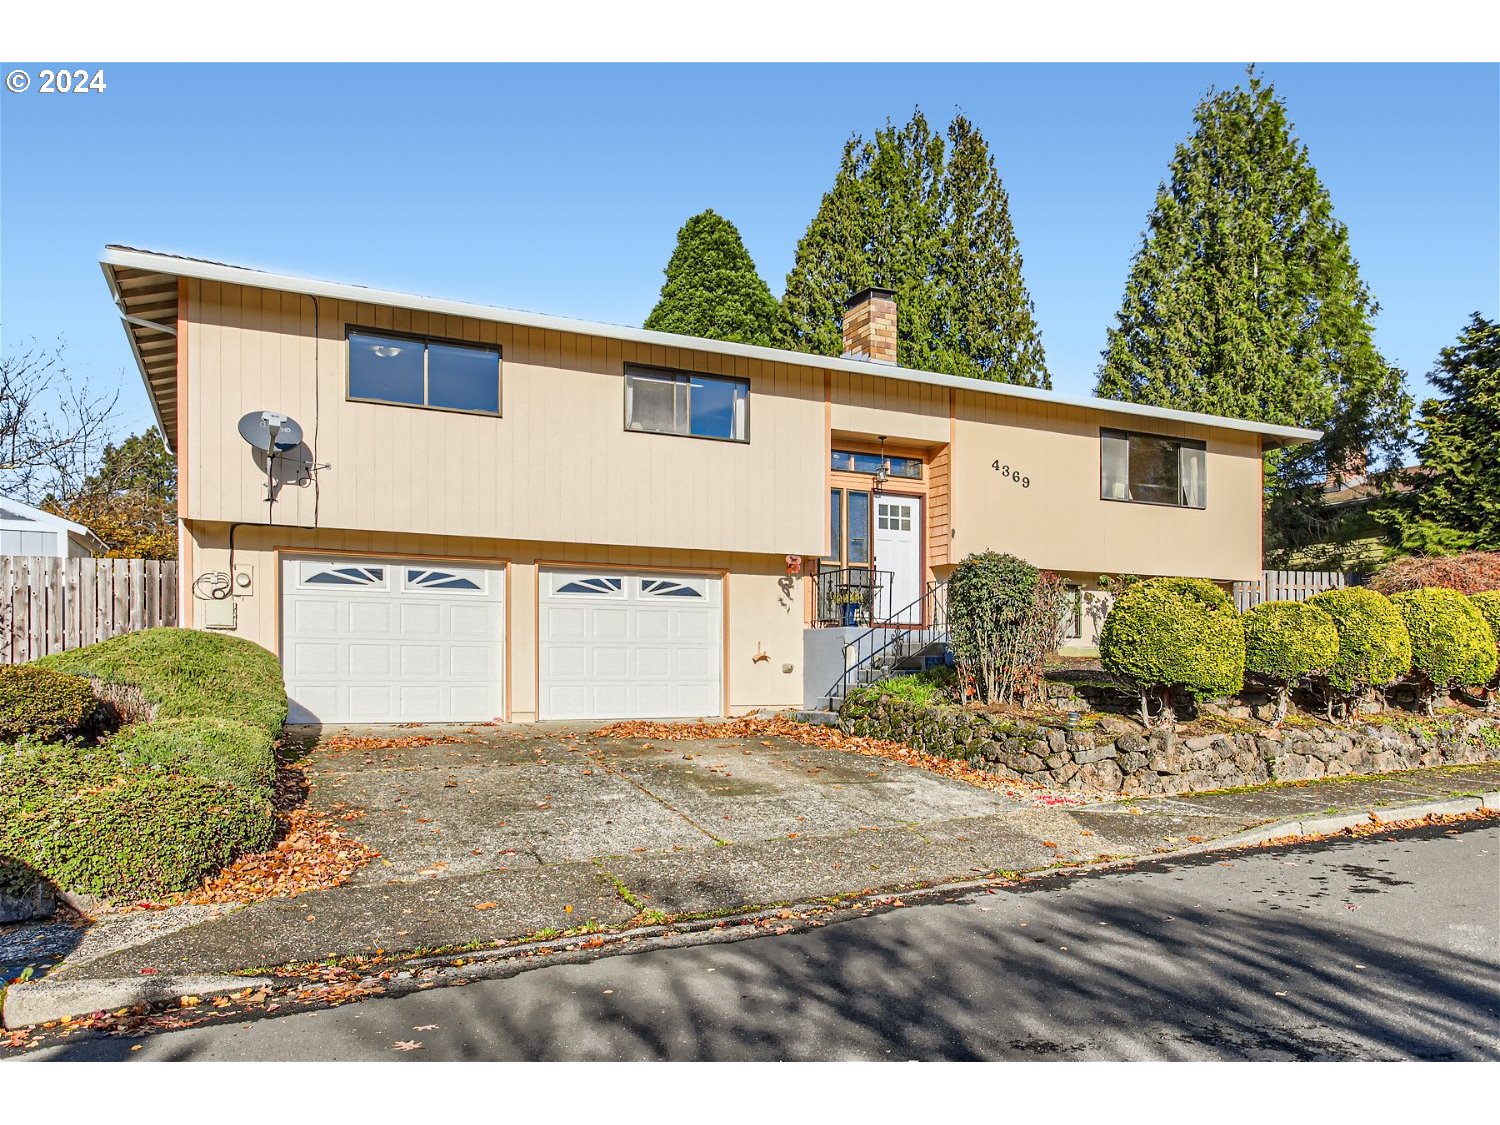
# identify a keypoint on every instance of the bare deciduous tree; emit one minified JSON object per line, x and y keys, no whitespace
{"x":53,"y":427}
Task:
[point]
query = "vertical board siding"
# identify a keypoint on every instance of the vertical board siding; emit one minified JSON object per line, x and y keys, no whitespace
{"x":51,"y":604}
{"x":939,"y":508}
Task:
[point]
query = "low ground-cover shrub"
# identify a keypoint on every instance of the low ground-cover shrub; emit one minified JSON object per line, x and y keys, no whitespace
{"x":1468,"y":573}
{"x":1286,"y":642}
{"x":164,"y":802}
{"x":90,"y":823}
{"x":925,"y":689}
{"x":1174,"y":633}
{"x":185,"y":674}
{"x":218,"y":750}
{"x":1374,"y":646}
{"x":44,"y":704}
{"x":1451,"y":642}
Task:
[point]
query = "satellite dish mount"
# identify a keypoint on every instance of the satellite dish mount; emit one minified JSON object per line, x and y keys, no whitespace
{"x":275,"y":435}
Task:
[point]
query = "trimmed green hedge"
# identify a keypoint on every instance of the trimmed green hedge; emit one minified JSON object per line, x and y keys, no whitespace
{"x":187,"y":674}
{"x":1175,"y":632}
{"x":88,"y":823}
{"x":1451,"y":642}
{"x":1374,"y":646}
{"x":217,"y":750}
{"x":1285,"y":641}
{"x":40,"y":703}
{"x":163,"y":803}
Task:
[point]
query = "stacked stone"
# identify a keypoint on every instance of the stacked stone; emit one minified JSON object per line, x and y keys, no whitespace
{"x":1116,"y":756}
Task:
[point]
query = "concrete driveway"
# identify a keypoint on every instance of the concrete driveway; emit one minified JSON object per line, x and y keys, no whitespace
{"x":489,"y":799}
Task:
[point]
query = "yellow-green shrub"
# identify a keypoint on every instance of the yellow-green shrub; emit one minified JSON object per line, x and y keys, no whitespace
{"x":1288,"y":641}
{"x":1374,"y":646}
{"x":1451,"y":642}
{"x":1175,"y":633}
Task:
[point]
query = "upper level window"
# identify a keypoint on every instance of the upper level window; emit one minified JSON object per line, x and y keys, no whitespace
{"x":1151,"y":469}
{"x":675,"y":402}
{"x":414,"y":371}
{"x":907,"y":467}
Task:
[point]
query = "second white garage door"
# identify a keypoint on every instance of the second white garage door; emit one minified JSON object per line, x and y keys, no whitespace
{"x":619,"y":644}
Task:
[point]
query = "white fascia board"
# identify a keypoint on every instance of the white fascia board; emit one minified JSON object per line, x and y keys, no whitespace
{"x":240,"y":275}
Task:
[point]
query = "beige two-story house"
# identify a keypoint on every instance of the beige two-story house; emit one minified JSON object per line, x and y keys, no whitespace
{"x":440,"y":511}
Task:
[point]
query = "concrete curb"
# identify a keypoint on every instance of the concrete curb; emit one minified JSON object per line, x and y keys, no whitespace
{"x":36,"y":1002}
{"x":1337,"y":822}
{"x":39,"y":1001}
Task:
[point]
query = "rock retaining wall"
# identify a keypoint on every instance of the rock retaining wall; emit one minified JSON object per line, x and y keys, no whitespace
{"x":1117,"y":756}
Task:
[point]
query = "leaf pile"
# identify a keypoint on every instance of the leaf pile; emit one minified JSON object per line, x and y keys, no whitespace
{"x":310,"y":854}
{"x":832,"y":738}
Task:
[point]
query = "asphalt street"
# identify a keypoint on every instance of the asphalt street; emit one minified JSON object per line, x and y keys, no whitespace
{"x":1382,"y":948}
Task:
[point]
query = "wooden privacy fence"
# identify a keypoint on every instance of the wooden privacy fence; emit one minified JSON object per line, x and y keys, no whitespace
{"x":50,"y":604}
{"x":1286,"y":586}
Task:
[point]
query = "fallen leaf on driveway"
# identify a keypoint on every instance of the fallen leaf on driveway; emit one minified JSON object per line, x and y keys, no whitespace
{"x":406,"y":1045}
{"x":485,"y":905}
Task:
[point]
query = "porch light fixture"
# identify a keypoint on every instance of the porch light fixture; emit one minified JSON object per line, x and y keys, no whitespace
{"x":883,"y":473}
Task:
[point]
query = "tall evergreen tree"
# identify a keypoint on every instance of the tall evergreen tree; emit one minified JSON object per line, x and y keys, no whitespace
{"x":712,"y":289}
{"x":1454,"y":502}
{"x":1244,"y":299}
{"x":931,"y":222}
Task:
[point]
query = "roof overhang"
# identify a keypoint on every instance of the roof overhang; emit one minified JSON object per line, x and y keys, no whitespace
{"x":140,"y":280}
{"x":146,"y":298}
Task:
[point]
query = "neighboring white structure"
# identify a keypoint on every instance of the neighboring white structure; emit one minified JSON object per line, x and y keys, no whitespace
{"x":25,"y":530}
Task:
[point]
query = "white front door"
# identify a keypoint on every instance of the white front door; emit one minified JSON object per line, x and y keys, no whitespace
{"x":620,"y":644}
{"x":369,"y":640}
{"x":898,"y":550}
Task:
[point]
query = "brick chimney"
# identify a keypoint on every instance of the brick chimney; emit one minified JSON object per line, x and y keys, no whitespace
{"x":870,"y":325}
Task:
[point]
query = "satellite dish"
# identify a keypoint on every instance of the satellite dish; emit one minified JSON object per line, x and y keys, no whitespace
{"x":270,"y":432}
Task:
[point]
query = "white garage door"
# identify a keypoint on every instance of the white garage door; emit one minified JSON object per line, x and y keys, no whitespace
{"x":392,"y":641}
{"x":618,"y":644}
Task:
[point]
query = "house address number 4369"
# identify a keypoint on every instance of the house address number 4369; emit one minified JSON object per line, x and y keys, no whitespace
{"x":1012,"y":475}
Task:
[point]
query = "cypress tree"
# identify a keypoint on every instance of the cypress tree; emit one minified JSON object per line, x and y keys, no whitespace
{"x":712,"y":289}
{"x":905,"y":214}
{"x":1245,"y":300}
{"x":1454,"y":502}
{"x":986,"y":323}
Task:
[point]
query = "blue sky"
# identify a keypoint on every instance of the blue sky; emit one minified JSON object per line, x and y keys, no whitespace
{"x":560,"y":188}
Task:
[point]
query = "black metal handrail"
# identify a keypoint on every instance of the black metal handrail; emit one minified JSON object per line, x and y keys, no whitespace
{"x":852,"y":596}
{"x":929,"y":615}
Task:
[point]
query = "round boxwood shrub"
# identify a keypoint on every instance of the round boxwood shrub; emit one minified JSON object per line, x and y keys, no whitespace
{"x":1286,"y":642}
{"x":1374,"y":646}
{"x":1451,"y":642}
{"x":40,"y":703}
{"x":1169,"y":633}
{"x":1488,"y":605}
{"x":77,"y":817}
